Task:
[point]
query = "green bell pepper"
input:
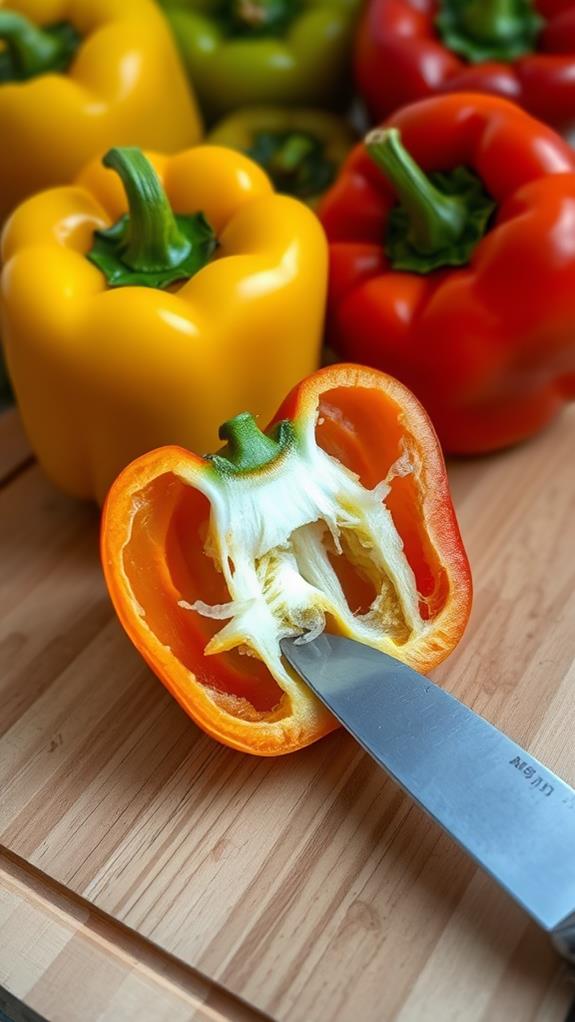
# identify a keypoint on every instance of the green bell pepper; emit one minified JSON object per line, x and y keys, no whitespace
{"x":244,"y":52}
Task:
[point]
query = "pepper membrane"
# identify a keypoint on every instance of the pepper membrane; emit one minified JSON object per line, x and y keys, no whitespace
{"x":337,"y":517}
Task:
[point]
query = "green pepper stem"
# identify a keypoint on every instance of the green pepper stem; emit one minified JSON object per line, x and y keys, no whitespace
{"x":33,"y":50}
{"x":247,"y":447}
{"x":252,"y":13}
{"x":153,"y":240}
{"x":291,"y":153}
{"x":492,"y":20}
{"x":261,"y":16}
{"x":435,"y":220}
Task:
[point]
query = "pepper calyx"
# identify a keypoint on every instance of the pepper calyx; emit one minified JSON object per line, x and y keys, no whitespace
{"x":260,"y":17}
{"x":489,"y":30}
{"x":31,"y":50}
{"x":296,"y":161}
{"x":150,"y":246}
{"x":248,"y":449}
{"x":439,"y":218}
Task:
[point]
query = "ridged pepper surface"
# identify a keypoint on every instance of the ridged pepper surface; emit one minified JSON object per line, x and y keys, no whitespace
{"x":518,"y":49}
{"x":453,"y":265}
{"x":79,"y":76}
{"x":246,"y":52}
{"x":146,"y":306}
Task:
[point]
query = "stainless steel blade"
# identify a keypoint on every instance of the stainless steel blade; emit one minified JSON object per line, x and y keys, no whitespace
{"x":513,"y":815}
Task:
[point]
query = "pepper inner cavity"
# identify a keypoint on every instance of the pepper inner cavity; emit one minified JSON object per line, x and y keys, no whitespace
{"x":338,"y":538}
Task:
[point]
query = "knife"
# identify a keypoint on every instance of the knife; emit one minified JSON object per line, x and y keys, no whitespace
{"x":509,"y":812}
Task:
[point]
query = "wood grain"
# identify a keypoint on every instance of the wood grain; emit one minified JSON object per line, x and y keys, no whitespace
{"x":67,"y":961}
{"x":308,"y":885}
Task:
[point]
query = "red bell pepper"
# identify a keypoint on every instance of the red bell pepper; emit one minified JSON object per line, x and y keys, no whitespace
{"x":338,"y":516}
{"x":459,"y":278}
{"x":410,"y":49}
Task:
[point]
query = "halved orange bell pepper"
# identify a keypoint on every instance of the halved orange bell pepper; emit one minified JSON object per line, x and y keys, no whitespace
{"x":339,"y":516}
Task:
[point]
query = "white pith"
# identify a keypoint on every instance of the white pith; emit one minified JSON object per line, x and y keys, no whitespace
{"x":269,"y":534}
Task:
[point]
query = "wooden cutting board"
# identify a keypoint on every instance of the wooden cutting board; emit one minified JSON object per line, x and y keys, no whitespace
{"x":64,"y":961}
{"x":309,"y":885}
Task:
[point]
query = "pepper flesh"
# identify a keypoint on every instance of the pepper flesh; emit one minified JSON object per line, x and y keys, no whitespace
{"x":103,"y":374}
{"x":348,"y":525}
{"x":124,"y":86}
{"x":400,"y":57}
{"x":303,"y":60}
{"x":488,"y":347}
{"x":306,"y":176}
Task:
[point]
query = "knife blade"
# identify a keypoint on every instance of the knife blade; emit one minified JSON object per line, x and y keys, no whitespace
{"x":515,"y":817}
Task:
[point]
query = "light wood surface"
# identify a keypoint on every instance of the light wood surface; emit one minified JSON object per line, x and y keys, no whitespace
{"x":308,"y":885}
{"x":68,"y":962}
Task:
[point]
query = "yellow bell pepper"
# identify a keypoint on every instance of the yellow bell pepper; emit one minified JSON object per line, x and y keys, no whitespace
{"x":302,"y":150}
{"x":124,"y":332}
{"x":79,"y":76}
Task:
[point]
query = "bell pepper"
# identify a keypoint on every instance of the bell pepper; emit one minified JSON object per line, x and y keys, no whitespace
{"x":453,"y":265}
{"x":518,"y":49}
{"x":127,"y":325}
{"x":338,"y":516}
{"x":246,"y":52}
{"x":79,"y":76}
{"x":300,"y":150}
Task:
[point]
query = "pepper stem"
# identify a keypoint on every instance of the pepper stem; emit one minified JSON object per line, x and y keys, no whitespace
{"x":247,"y":448}
{"x":480,"y":30}
{"x":261,"y":16}
{"x":33,"y":50}
{"x":290,"y":154}
{"x":492,"y":20}
{"x":152,"y":239}
{"x":436,"y":220}
{"x":251,"y":12}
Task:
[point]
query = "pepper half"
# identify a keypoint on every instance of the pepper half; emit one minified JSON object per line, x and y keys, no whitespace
{"x":151,"y":300}
{"x":301,"y":150}
{"x":244,"y":52}
{"x":338,"y":516}
{"x":79,"y":76}
{"x":522,"y":50}
{"x":452,"y":265}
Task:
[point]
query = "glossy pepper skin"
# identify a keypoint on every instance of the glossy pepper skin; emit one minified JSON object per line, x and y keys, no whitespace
{"x":488,"y":346}
{"x":122,"y":84}
{"x":247,"y":52}
{"x":350,"y":525}
{"x":301,"y":150}
{"x":402,"y":56}
{"x":104,"y":373}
